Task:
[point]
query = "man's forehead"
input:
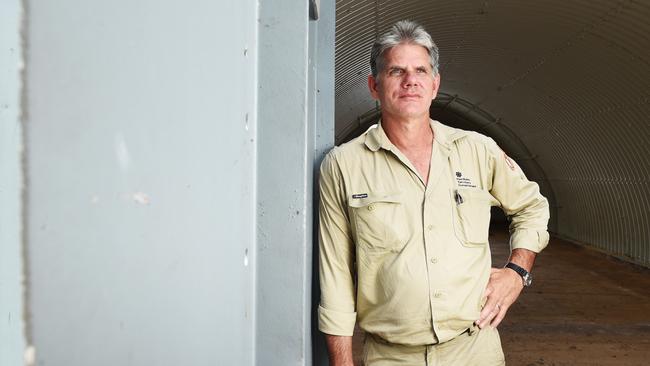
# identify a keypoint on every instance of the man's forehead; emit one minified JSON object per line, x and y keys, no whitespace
{"x":403,"y":55}
{"x":408,"y":66}
{"x":397,"y":65}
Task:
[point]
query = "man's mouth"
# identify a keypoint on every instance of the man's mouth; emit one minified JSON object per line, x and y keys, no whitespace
{"x":408,"y":96}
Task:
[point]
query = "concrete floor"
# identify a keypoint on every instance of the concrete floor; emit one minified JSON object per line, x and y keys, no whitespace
{"x":584,"y":308}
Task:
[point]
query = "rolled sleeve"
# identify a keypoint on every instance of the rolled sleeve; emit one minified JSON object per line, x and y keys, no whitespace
{"x":533,"y":240}
{"x":336,"y":322}
{"x":337,"y":310}
{"x":521,"y":200}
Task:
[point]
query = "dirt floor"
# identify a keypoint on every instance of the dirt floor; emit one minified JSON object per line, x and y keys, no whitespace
{"x":584,"y":308}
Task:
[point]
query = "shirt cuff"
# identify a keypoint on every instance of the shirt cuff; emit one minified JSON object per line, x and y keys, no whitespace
{"x":336,"y":322}
{"x":531,"y":239}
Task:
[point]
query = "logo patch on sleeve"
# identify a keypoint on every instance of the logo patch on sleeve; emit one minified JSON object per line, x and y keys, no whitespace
{"x":509,"y":161}
{"x":360,"y":195}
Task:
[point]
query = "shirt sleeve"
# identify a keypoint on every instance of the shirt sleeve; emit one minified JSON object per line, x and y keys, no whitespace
{"x":521,"y":200}
{"x":336,"y":312}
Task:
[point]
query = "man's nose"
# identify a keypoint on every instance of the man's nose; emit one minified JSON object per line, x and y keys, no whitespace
{"x":409,"y":80}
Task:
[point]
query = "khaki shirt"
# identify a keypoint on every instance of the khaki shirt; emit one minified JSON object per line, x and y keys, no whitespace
{"x":410,"y":261}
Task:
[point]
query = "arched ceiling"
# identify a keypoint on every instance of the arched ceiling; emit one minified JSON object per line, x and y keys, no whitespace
{"x":563,"y":85}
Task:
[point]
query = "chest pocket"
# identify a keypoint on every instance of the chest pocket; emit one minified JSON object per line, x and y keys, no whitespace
{"x":379,"y":220}
{"x":472,"y":215}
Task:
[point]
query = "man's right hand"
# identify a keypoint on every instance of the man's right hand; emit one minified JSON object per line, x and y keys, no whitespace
{"x":340,"y":350}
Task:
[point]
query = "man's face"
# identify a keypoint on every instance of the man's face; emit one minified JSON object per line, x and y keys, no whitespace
{"x":406,"y":86}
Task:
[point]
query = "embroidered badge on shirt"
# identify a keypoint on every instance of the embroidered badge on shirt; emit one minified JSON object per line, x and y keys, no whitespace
{"x":509,"y":161}
{"x":464,"y":181}
{"x":360,"y":195}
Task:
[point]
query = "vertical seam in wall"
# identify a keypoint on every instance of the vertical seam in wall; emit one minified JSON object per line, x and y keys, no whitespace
{"x":24,"y":117}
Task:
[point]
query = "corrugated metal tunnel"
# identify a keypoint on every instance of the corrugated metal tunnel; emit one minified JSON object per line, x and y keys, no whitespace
{"x":562,"y":86}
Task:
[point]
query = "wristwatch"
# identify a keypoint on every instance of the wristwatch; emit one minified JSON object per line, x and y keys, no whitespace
{"x":526,"y":276}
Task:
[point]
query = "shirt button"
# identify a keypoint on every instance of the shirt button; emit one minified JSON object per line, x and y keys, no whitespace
{"x":437,"y":294}
{"x":430,"y":227}
{"x":371,"y":207}
{"x":434,"y":260}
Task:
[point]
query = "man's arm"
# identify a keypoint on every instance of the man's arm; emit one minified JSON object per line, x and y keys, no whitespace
{"x":336,"y":311}
{"x":528,"y":209}
{"x":340,"y":350}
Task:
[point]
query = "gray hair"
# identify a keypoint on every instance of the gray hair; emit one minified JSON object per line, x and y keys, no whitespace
{"x":402,"y":32}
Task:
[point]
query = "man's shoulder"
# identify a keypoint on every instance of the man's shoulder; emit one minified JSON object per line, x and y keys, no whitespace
{"x":455,"y":134}
{"x":351,"y":149}
{"x":458,"y":137}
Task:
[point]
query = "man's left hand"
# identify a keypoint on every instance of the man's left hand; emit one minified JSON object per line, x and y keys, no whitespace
{"x":502,"y":291}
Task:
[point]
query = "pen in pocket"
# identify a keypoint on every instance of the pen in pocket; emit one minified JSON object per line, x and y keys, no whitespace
{"x":458,"y":198}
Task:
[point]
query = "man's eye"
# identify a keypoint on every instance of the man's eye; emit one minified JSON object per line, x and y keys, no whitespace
{"x":396,"y":72}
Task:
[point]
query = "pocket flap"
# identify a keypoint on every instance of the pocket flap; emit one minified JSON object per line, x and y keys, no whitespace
{"x":364,"y":199}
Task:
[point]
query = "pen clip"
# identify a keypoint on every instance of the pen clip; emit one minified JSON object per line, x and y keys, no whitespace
{"x":458,"y":198}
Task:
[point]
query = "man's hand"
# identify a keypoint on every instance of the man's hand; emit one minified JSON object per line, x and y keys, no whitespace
{"x":340,"y":350}
{"x":504,"y":288}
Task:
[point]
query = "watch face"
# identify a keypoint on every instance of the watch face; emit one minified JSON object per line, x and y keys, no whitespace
{"x":528,"y":280}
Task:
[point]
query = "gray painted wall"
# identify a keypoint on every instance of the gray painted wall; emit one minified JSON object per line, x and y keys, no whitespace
{"x":324,"y":140}
{"x":285,"y":158}
{"x":12,"y":341}
{"x":170,"y":151}
{"x":141,"y":161}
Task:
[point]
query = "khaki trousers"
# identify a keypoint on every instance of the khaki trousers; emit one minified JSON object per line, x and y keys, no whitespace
{"x":480,"y":347}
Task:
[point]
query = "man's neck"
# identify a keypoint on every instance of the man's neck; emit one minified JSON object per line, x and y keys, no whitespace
{"x":408,"y":134}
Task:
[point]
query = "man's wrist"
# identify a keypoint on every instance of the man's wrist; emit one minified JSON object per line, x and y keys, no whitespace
{"x":524,"y":258}
{"x":340,"y":350}
{"x":526,"y":277}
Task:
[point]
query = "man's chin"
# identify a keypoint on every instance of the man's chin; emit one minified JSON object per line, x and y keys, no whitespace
{"x":406,"y":114}
{"x":413,"y":113}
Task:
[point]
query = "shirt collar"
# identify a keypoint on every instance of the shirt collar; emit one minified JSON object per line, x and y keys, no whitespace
{"x":376,"y":137}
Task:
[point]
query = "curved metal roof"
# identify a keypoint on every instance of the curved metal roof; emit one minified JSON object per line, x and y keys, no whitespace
{"x":563,"y":86}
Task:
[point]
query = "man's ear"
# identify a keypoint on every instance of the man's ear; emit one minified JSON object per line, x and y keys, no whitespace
{"x":372,"y":86}
{"x":436,"y":85}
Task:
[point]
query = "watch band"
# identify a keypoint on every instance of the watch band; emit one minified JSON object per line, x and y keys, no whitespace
{"x":525,"y":275}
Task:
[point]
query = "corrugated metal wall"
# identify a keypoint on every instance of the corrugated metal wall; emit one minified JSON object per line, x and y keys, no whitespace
{"x":571,"y":79}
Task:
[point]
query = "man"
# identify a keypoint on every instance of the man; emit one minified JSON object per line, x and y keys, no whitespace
{"x":404,"y":218}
